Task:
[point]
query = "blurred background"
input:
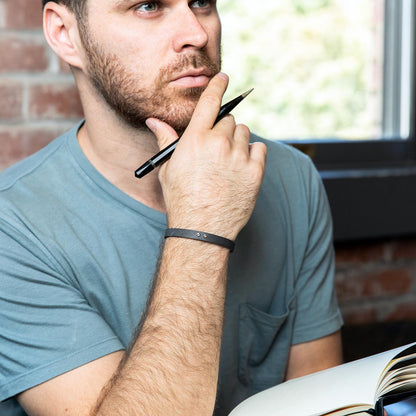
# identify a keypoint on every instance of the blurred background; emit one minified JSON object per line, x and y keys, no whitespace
{"x":316,"y":66}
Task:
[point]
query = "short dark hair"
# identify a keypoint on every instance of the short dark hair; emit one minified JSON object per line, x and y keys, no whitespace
{"x":76,"y":6}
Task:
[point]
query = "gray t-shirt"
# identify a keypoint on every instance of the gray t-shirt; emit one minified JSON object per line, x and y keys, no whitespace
{"x":77,"y":257}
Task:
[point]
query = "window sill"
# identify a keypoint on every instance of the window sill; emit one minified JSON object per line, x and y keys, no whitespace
{"x":372,"y":203}
{"x":371,"y":186}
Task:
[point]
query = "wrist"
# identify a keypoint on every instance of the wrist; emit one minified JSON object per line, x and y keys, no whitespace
{"x":223,"y":228}
{"x":209,"y":258}
{"x":201,"y":236}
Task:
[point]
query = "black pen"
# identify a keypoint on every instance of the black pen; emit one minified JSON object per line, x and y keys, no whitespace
{"x":166,"y":153}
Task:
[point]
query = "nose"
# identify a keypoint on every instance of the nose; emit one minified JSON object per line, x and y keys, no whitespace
{"x":189,"y":31}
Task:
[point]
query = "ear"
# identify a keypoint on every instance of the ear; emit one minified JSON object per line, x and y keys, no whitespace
{"x":61,"y":32}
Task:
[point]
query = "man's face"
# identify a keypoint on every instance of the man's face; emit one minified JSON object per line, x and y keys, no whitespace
{"x":152,"y":59}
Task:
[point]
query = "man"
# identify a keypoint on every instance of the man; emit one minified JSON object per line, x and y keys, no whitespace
{"x":80,"y":236}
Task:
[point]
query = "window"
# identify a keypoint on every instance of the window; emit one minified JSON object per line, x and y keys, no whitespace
{"x":321,"y":68}
{"x":398,"y":68}
{"x":334,"y":78}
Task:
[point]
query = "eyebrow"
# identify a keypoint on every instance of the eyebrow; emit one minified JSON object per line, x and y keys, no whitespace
{"x":118,"y":3}
{"x":122,"y":4}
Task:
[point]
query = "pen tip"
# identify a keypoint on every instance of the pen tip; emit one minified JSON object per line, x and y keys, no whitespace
{"x":244,"y":95}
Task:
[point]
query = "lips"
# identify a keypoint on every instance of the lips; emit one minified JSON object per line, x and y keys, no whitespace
{"x":193,"y":78}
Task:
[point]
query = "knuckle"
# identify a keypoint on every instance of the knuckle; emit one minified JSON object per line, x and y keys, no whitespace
{"x":242,"y":134}
{"x":221,"y":139}
{"x":228,"y":122}
{"x":219,"y":144}
{"x":243,"y":130}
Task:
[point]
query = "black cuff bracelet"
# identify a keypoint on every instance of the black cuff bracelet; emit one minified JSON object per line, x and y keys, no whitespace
{"x":201,"y":236}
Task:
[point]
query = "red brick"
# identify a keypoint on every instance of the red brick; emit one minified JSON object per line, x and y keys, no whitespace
{"x":22,"y":55}
{"x":385,"y":282}
{"x":362,"y":314}
{"x":10,"y":101}
{"x":64,"y":67}
{"x":404,"y":249}
{"x":5,"y":165}
{"x":360,"y":253}
{"x":54,"y":101}
{"x":17,"y":143}
{"x":36,"y":140}
{"x":403,"y":312}
{"x":11,"y":146}
{"x":22,"y":14}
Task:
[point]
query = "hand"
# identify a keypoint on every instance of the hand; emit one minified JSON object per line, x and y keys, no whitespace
{"x":213,"y":178}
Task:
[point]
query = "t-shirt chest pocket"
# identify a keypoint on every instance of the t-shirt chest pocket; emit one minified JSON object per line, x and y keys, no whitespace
{"x":264,"y":343}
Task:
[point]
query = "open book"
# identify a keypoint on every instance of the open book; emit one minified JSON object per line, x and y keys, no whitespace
{"x":355,"y":387}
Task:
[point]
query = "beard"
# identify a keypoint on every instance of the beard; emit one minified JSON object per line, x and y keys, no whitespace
{"x":121,"y":88}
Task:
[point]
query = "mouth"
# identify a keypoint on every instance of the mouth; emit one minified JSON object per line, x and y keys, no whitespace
{"x":193,"y":78}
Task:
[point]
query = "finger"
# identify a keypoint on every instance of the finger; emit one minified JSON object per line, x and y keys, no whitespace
{"x":258,"y":153}
{"x":242,"y":137}
{"x":208,"y":107}
{"x":164,"y":133}
{"x":226,"y":126}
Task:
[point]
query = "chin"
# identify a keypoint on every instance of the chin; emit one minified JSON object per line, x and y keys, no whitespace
{"x":179,"y":114}
{"x":179,"y":123}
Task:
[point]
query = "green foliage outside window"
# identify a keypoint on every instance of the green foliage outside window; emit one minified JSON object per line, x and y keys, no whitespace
{"x":315,"y":65}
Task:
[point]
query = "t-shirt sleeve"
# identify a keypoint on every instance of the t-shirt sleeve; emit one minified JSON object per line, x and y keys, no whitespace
{"x":317,"y":314}
{"x":46,"y":326}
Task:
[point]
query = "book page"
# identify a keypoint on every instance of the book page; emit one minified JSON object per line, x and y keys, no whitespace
{"x":392,"y":376}
{"x":358,"y":410}
{"x":350,"y":384}
{"x":400,"y":373}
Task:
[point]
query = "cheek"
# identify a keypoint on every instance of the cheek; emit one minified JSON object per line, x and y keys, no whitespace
{"x":147,"y":58}
{"x":142,"y":67}
{"x":214,"y":32}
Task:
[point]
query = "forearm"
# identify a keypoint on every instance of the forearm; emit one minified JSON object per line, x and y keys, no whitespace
{"x":172,"y":366}
{"x":310,"y":357}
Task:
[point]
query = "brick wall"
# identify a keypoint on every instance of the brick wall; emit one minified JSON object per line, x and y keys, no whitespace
{"x":38,"y":100}
{"x":376,"y":281}
{"x":376,"y":286}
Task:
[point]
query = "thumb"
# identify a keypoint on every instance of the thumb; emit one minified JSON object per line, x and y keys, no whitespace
{"x":164,"y":133}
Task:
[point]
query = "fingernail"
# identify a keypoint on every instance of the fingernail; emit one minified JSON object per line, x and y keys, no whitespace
{"x":223,"y":75}
{"x":150,"y":123}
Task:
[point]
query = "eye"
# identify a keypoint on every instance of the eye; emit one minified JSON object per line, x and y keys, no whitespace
{"x":200,"y":3}
{"x":147,"y":7}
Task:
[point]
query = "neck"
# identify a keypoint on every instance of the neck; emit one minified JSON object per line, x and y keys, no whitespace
{"x":117,"y":150}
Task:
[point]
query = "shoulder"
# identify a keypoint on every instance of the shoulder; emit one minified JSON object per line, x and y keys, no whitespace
{"x":287,"y":165}
{"x":283,"y":155}
{"x":29,"y":188}
{"x":36,"y":168}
